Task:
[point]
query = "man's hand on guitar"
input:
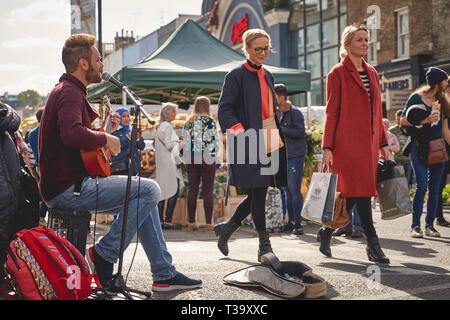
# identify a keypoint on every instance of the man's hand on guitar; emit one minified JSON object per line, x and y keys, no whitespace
{"x":113,"y":144}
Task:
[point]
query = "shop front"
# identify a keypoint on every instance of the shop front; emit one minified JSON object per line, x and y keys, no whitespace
{"x":227,"y":20}
{"x":395,"y":91}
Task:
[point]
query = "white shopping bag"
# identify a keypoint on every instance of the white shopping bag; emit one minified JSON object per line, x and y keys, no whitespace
{"x":316,"y":197}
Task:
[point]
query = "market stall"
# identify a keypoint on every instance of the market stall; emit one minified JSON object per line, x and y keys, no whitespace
{"x":189,"y":64}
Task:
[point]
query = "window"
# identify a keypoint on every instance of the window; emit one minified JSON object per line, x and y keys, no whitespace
{"x":316,"y":92}
{"x":330,"y":59}
{"x":330,"y":35}
{"x":402,"y":33}
{"x":372,"y":53}
{"x":313,"y":38}
{"x":315,"y":27}
{"x":313,"y":64}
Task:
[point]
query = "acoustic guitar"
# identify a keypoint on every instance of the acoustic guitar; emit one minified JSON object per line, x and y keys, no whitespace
{"x":96,"y":161}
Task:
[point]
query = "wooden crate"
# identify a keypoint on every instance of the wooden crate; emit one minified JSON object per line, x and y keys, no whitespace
{"x":180,"y":215}
{"x":229,"y":209}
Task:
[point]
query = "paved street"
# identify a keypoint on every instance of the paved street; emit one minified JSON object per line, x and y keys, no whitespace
{"x":419,"y":269}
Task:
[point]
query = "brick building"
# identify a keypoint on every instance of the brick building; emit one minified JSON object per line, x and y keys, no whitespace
{"x":407,"y":37}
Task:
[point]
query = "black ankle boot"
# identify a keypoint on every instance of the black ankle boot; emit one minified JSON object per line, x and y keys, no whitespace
{"x":224,"y":231}
{"x":264,"y":243}
{"x":374,"y":252}
{"x":324,"y":237}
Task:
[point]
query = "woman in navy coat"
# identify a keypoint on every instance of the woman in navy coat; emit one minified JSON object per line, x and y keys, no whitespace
{"x":247,"y":94}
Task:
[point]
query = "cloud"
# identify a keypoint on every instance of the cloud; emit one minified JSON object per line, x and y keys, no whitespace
{"x":31,"y":42}
{"x":42,"y":83}
{"x":44,"y":11}
{"x":16,"y":67}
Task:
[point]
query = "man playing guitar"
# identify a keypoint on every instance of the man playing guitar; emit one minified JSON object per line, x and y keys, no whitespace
{"x":65,"y":184}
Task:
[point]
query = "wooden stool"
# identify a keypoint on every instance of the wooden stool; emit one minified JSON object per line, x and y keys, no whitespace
{"x":72,"y":225}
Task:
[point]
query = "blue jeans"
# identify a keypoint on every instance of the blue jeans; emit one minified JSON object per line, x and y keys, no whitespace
{"x":283,"y":201}
{"x":111,"y":198}
{"x":427,"y":178}
{"x":408,"y":171}
{"x":293,"y":190}
{"x":355,"y":223}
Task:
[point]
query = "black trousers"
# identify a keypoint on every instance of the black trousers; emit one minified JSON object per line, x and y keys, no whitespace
{"x":364,"y":207}
{"x":254,"y":203}
{"x":171,"y":203}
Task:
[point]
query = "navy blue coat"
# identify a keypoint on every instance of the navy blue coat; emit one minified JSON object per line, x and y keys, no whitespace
{"x":240,"y":102}
{"x":293,"y":126}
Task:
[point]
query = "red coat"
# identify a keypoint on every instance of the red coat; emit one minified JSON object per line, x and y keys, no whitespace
{"x":352,"y":130}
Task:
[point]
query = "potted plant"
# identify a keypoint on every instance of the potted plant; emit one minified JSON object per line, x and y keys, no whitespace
{"x":313,"y":146}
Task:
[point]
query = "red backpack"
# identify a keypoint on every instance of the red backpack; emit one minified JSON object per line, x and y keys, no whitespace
{"x":45,"y":266}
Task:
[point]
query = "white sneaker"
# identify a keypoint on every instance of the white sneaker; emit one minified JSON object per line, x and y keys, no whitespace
{"x":432,"y":232}
{"x":416,"y":232}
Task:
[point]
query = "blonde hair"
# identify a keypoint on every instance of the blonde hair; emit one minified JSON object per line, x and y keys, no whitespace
{"x":252,"y":34}
{"x":201,"y":108}
{"x":347,"y":37}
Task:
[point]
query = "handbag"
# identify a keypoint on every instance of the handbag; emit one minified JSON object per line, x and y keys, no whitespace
{"x":437,"y":152}
{"x":272,"y":138}
{"x":393,"y":192}
{"x":340,"y":215}
{"x":319,"y":202}
{"x":274,"y":210}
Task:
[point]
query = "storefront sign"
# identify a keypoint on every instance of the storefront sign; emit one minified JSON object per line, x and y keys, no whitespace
{"x":238,"y":29}
{"x":395,"y":83}
{"x":396,"y":99}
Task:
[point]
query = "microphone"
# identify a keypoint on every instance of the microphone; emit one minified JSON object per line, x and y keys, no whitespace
{"x":108,"y":77}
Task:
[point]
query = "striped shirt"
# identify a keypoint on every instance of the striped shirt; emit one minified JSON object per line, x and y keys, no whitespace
{"x":365,"y":80}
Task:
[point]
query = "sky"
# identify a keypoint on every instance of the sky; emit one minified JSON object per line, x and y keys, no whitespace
{"x":33,"y":33}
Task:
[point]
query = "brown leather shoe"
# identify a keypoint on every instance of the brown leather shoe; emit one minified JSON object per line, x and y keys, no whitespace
{"x":192,"y":227}
{"x":357,"y":234}
{"x":340,"y":232}
{"x":209,"y":227}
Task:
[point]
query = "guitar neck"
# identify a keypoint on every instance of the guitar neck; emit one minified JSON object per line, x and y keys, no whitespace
{"x":107,"y":105}
{"x":108,"y":125}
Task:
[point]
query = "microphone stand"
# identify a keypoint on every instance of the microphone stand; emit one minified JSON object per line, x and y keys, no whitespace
{"x":118,"y":283}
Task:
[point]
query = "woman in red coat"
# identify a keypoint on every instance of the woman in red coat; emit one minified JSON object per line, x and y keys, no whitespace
{"x":354,"y":135}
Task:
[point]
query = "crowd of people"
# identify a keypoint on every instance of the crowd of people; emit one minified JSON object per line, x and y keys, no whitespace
{"x":355,"y":138}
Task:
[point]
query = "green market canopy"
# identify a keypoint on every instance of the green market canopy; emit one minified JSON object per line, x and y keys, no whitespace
{"x":190,"y":63}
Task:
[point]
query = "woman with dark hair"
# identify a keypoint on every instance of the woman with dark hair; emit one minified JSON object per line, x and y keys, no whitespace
{"x":354,"y":135}
{"x":247,"y":101}
{"x":423,"y":115}
{"x":124,"y":134}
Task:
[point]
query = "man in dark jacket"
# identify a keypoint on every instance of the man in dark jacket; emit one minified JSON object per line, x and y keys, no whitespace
{"x":18,"y":199}
{"x":293,"y":127}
